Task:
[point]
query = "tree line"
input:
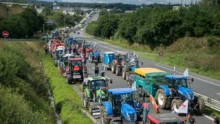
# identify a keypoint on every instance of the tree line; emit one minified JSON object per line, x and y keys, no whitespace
{"x":159,"y":25}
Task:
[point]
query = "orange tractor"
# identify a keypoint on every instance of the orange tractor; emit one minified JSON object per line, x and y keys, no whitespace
{"x":118,"y":62}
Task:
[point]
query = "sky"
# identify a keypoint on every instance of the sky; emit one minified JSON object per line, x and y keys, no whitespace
{"x":131,"y":1}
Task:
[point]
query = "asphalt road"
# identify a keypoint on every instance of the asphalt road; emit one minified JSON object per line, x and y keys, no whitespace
{"x":118,"y":82}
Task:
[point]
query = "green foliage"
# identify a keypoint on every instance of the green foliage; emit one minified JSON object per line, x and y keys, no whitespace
{"x":68,"y":103}
{"x":212,"y":41}
{"x":25,"y":98}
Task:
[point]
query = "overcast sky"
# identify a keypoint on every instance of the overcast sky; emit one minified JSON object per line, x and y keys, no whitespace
{"x":130,"y":1}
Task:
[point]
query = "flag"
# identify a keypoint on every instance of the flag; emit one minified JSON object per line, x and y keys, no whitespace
{"x":186,"y":73}
{"x":183,"y":109}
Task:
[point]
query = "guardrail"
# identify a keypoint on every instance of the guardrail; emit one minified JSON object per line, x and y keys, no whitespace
{"x":212,"y":103}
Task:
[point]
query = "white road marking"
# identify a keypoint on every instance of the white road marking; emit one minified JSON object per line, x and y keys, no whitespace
{"x":190,"y":76}
{"x":218,"y":93}
{"x":208,"y":117}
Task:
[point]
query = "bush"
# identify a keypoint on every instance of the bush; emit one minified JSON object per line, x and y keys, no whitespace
{"x":212,"y":41}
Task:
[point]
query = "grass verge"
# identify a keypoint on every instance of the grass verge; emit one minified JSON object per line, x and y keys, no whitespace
{"x":209,"y":111}
{"x":198,"y":62}
{"x":68,"y":103}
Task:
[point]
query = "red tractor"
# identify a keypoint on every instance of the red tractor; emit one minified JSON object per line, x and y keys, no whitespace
{"x":53,"y":45}
{"x":117,"y":63}
{"x":75,"y":70}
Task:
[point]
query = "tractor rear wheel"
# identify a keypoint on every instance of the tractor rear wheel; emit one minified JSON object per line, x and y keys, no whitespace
{"x":113,"y":67}
{"x":201,"y":107}
{"x":161,"y":99}
{"x":176,"y":103}
{"x":117,"y":71}
{"x":124,"y":73}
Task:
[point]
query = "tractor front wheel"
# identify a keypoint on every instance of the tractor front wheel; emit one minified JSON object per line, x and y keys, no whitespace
{"x":176,"y":103}
{"x":161,"y":99}
{"x":69,"y":79}
{"x":113,"y":67}
{"x":117,"y":71}
{"x":201,"y":107}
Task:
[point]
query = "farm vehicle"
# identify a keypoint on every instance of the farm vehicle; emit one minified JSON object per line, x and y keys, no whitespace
{"x":169,"y":90}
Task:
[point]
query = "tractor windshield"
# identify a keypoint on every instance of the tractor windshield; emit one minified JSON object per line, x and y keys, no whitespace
{"x":180,"y":83}
{"x":160,"y":80}
{"x":97,"y":84}
{"x":58,"y":52}
{"x":86,"y":46}
{"x":123,"y":99}
{"x":78,"y":63}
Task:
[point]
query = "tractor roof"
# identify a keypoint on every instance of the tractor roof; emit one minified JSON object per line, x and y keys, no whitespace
{"x":109,"y":52}
{"x":176,"y":77}
{"x":165,"y":117}
{"x":67,"y":55}
{"x":120,"y":91}
{"x":75,"y":59}
{"x":96,"y":78}
{"x":149,"y":71}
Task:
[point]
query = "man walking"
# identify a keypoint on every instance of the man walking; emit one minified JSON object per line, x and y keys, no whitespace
{"x":216,"y":119}
{"x":191,"y":119}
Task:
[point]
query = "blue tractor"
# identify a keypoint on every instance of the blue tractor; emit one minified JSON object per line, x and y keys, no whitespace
{"x":108,"y":59}
{"x":176,"y":90}
{"x":94,"y":55}
{"x":122,"y":108}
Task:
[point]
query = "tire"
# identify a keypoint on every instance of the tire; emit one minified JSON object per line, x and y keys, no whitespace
{"x":161,"y":99}
{"x":201,"y":107}
{"x":117,"y":71}
{"x":85,"y":101}
{"x":55,"y":63}
{"x":90,"y":59}
{"x":124,"y":73}
{"x":69,"y":79}
{"x":113,"y":67}
{"x":177,"y":103}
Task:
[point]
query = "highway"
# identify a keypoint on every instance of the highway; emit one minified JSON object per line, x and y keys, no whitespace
{"x":118,"y":82}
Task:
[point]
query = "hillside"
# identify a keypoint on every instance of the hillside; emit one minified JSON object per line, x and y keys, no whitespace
{"x":23,"y":84}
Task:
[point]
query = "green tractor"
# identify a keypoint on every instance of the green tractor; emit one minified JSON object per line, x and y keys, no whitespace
{"x":94,"y":90}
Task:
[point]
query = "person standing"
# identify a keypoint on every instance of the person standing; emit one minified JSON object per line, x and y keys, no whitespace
{"x":191,"y":120}
{"x":216,"y":119}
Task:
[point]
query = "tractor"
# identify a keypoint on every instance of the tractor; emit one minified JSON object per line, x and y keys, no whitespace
{"x":59,"y":52}
{"x":130,"y":65}
{"x":169,"y":90}
{"x":64,"y":63}
{"x":118,"y":62}
{"x":94,"y":90}
{"x":77,"y":46}
{"x":94,"y":55}
{"x":122,"y":108}
{"x":84,"y":50}
{"x":75,"y":70}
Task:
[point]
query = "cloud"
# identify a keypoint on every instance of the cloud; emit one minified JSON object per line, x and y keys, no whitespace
{"x":132,"y":1}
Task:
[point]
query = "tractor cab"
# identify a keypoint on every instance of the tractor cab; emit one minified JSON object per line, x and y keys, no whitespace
{"x":164,"y":118}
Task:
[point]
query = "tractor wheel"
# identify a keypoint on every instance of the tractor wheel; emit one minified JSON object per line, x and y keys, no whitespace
{"x":124,"y":73}
{"x":69,"y":79}
{"x":161,"y":99}
{"x":85,"y":101}
{"x":104,"y":119}
{"x":127,"y":75}
{"x":90,"y":59}
{"x":113,"y":67}
{"x":176,"y":103}
{"x":55,"y":63}
{"x":117,"y":71}
{"x":201,"y":107}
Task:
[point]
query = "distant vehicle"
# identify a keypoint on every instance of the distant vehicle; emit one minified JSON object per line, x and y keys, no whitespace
{"x":78,"y":32}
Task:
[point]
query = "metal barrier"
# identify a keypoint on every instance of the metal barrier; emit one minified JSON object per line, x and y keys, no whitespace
{"x":212,"y":103}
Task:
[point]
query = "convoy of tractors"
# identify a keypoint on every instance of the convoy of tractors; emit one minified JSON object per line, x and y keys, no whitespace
{"x":118,"y":106}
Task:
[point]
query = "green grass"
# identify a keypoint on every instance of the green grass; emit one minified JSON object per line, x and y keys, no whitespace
{"x":80,"y":87}
{"x":196,"y":56}
{"x":209,"y":111}
{"x":67,"y":101}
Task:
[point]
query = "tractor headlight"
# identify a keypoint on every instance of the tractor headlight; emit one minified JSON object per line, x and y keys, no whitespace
{"x":128,"y":117}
